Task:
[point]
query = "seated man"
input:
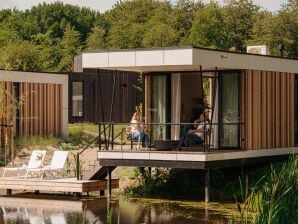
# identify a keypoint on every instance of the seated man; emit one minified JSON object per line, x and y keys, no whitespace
{"x":137,"y":130}
{"x":196,"y":135}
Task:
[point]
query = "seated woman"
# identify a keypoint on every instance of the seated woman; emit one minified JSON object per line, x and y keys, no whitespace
{"x":196,"y":134}
{"x":137,"y":130}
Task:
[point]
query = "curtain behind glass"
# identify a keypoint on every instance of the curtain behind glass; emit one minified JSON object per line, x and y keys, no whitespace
{"x":229,"y":112}
{"x":158,"y":106}
{"x":176,"y":105}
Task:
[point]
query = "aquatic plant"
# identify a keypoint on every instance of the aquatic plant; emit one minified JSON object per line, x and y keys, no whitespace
{"x":274,"y":198}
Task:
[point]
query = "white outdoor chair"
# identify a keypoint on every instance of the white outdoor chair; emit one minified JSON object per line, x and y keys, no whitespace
{"x":57,"y":165}
{"x":58,"y":218}
{"x":36,"y":160}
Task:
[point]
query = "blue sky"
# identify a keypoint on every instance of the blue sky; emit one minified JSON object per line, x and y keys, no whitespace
{"x":103,"y":5}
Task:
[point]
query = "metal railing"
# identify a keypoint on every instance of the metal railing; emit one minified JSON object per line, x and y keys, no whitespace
{"x":79,"y":153}
{"x":155,"y":131}
{"x":162,"y":131}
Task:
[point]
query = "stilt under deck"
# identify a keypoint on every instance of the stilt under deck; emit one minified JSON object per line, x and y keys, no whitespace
{"x":56,"y":185}
{"x":194,"y":160}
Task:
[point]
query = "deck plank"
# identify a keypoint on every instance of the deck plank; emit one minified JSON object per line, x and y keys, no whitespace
{"x":62,"y":185}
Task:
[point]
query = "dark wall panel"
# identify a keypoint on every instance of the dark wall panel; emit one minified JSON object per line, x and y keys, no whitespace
{"x":98,"y":95}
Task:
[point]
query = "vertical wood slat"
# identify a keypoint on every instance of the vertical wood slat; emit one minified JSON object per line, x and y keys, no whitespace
{"x":249,"y":110}
{"x":33,"y":112}
{"x":292,"y":109}
{"x":278,"y":110}
{"x":283,"y":110}
{"x":269,"y":126}
{"x":42,"y":109}
{"x":263,"y":108}
{"x":268,"y":109}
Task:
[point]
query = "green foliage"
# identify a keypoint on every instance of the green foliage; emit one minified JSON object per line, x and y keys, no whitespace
{"x":239,"y":16}
{"x":70,"y":46}
{"x":96,"y":39}
{"x":46,"y":37}
{"x":273,"y":198}
{"x":20,"y":56}
{"x":209,"y":28}
{"x":278,"y":203}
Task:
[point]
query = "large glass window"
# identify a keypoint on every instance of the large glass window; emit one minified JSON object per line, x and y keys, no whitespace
{"x":229,"y":110}
{"x":77,"y":99}
{"x":159,"y":111}
{"x":296,"y":110}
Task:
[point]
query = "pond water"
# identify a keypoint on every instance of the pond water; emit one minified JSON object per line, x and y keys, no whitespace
{"x":124,"y":211}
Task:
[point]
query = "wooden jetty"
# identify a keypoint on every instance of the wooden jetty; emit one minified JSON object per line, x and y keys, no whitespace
{"x":56,"y":185}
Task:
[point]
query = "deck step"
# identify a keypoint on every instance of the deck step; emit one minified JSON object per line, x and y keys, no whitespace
{"x":97,"y":173}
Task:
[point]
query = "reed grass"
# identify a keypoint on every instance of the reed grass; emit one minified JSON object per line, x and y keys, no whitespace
{"x":274,"y":199}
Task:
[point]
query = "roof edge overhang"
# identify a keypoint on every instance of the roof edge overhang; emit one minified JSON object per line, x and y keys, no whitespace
{"x":184,"y":59}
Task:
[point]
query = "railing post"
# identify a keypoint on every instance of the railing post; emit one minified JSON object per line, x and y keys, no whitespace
{"x":112,"y":136}
{"x":78,"y":166}
{"x":122,"y":139}
{"x":99,"y":137}
{"x":150,"y":137}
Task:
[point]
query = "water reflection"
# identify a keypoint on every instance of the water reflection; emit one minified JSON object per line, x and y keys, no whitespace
{"x":125,"y":211}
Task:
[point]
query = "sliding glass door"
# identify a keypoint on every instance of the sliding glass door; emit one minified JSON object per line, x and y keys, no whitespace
{"x":229,"y":110}
{"x":159,"y":105}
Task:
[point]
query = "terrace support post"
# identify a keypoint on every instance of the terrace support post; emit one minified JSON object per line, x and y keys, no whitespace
{"x":243,"y":173}
{"x":109,"y":182}
{"x":78,"y":166}
{"x":150,"y":171}
{"x":8,"y":191}
{"x":207,"y":185}
{"x":101,"y":193}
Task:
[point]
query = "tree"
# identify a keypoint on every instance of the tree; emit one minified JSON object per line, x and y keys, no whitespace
{"x":9,"y":103}
{"x":160,"y":35}
{"x":184,"y":12}
{"x":239,"y":16}
{"x":209,"y":29}
{"x":289,"y":27}
{"x":96,"y":39}
{"x":70,"y":46}
{"x":20,"y":56}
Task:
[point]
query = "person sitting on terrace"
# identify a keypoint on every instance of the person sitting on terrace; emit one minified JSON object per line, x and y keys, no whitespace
{"x":196,"y":133}
{"x":137,"y":130}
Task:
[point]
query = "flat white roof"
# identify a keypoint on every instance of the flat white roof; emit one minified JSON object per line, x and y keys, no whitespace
{"x":184,"y":59}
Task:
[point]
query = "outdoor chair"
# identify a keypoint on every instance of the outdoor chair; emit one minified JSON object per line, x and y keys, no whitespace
{"x":58,"y":218}
{"x":130,"y":138}
{"x":36,"y":161}
{"x":57,"y":165}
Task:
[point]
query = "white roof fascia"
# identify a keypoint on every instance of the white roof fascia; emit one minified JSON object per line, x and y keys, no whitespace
{"x":180,"y":59}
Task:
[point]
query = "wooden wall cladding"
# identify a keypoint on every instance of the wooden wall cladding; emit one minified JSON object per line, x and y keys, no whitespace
{"x":41,"y":111}
{"x":98,"y":92}
{"x":6,"y":98}
{"x":267,"y":109}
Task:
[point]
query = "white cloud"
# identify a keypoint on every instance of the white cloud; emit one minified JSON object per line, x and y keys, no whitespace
{"x":272,"y":5}
{"x":103,"y":5}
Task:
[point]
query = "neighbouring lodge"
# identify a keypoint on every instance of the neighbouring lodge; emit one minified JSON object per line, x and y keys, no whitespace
{"x":250,"y":102}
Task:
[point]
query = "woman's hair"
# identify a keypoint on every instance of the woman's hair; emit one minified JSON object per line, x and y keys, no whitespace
{"x":135,"y":116}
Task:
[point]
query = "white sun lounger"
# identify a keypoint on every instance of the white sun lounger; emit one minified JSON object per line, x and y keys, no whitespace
{"x":36,"y":160}
{"x":57,"y":165}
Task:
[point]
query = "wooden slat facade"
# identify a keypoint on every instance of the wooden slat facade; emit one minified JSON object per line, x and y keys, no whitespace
{"x":97,"y":95}
{"x":267,"y":109}
{"x":40,"y":112}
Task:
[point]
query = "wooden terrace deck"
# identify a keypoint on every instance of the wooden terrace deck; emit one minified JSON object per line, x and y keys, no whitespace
{"x":56,"y":185}
{"x":193,"y":160}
